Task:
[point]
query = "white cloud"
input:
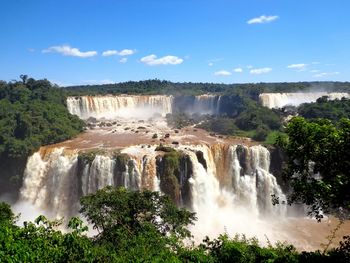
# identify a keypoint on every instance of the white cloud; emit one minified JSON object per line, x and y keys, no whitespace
{"x":249,"y":67}
{"x":69,"y":51}
{"x":258,"y":71}
{"x":222,"y":73}
{"x":238,"y":70}
{"x":299,"y":67}
{"x":210,"y":64}
{"x":124,"y":52}
{"x":315,"y":71}
{"x":152,"y":60}
{"x":262,"y":19}
{"x":108,"y":53}
{"x":123,"y":60}
{"x":31,"y":49}
{"x":325,"y":74}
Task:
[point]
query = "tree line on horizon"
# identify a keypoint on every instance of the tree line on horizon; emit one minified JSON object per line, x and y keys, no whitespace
{"x":164,"y":87}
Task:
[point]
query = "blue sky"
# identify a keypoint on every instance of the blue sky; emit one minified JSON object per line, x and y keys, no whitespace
{"x":237,"y":41}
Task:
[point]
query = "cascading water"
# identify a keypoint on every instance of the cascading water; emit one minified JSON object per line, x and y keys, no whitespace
{"x":206,"y":104}
{"x":229,"y":187}
{"x":50,"y":182}
{"x":55,"y":180}
{"x":279,"y":100}
{"x":97,"y":175}
{"x":230,"y":196}
{"x":110,"y":107}
{"x":219,"y":183}
{"x":140,"y":107}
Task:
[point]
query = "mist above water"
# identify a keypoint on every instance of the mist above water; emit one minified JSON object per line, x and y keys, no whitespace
{"x":279,"y":100}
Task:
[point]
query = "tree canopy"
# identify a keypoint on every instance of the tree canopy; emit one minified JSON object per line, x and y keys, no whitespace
{"x":318,"y":165}
{"x":137,"y":227}
{"x":33,"y":113}
{"x":119,"y":212}
{"x":155,"y":86}
{"x":333,"y":110}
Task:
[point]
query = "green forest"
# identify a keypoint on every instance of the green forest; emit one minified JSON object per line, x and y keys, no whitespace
{"x":135,"y":226}
{"x":332,"y":110}
{"x":188,"y":88}
{"x":146,"y":226}
{"x":33,"y":113}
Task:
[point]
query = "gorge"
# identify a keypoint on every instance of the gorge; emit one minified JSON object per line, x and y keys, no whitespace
{"x":227,"y":181}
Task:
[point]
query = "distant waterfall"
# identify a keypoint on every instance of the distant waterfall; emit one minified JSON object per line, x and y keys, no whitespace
{"x":206,"y":104}
{"x":110,"y":107}
{"x":140,"y":107}
{"x":279,"y":100}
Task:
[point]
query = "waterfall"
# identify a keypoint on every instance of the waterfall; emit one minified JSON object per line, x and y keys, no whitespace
{"x":140,"y":107}
{"x":228,"y":186}
{"x":279,"y":100}
{"x":97,"y":175}
{"x":228,"y":181}
{"x":124,"y":106}
{"x":50,"y":182}
{"x":206,"y":104}
{"x":55,"y":179}
{"x":233,"y":194}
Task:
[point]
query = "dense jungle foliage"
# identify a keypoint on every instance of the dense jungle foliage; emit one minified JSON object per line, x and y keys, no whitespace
{"x":33,"y":113}
{"x":188,"y":88}
{"x":137,"y":227}
{"x":239,"y":116}
{"x":319,"y":164}
{"x":332,"y":110}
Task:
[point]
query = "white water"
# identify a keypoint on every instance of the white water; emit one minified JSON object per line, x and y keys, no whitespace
{"x":206,"y":104}
{"x":111,"y":107}
{"x":225,"y":196}
{"x":50,"y":182}
{"x":243,"y":204}
{"x":138,"y":107}
{"x":53,"y":183}
{"x":279,"y":100}
{"x":98,"y":175}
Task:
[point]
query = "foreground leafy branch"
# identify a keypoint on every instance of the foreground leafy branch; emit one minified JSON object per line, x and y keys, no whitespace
{"x":319,"y":165}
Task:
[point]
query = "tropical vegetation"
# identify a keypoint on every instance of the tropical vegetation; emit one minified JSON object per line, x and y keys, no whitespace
{"x":137,"y":227}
